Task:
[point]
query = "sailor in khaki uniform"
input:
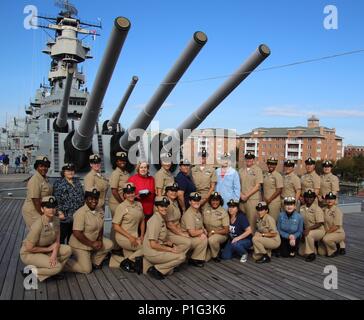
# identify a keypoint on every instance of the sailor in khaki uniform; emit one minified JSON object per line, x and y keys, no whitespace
{"x":334,"y":228}
{"x":272,"y":188}
{"x":118,"y":179}
{"x":164,"y":175}
{"x":310,"y":180}
{"x":266,"y":238}
{"x":204,"y":177}
{"x":313,"y":219}
{"x":329,"y":182}
{"x":41,"y":248}
{"x":192,"y":222}
{"x":38,"y":187}
{"x":89,"y":247}
{"x":94,"y":179}
{"x":157,"y":249}
{"x":173,"y":220}
{"x":291,"y":182}
{"x":128,"y":218}
{"x":216,"y":221}
{"x":251,"y":179}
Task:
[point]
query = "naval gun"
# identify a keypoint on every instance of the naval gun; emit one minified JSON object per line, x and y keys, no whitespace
{"x":125,"y":141}
{"x":172,"y":144}
{"x":78,"y":144}
{"x":61,"y":124}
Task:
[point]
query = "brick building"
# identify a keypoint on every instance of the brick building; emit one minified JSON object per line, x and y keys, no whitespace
{"x":296,"y":143}
{"x":351,"y":151}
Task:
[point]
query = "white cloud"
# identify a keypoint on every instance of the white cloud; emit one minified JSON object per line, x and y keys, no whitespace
{"x":295,"y":112}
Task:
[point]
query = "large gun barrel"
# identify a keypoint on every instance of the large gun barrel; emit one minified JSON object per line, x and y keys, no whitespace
{"x":192,"y":122}
{"x":116,"y":116}
{"x":82,"y":138}
{"x":61,"y":122}
{"x":145,"y":118}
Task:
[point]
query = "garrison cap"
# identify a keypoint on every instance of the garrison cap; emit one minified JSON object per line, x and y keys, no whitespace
{"x":289,"y":200}
{"x":309,"y":194}
{"x":233,"y":203}
{"x":129,"y":188}
{"x":162,"y":201}
{"x":203,"y":153}
{"x":261,"y":206}
{"x":272,"y":160}
{"x":92,"y":192}
{"x":49,"y":202}
{"x":310,"y":161}
{"x":289,"y":163}
{"x":249,"y":155}
{"x":121,"y":156}
{"x":42,"y":159}
{"x":330,"y":196}
{"x":69,"y":167}
{"x":95,"y":158}
{"x":215,"y":196}
{"x":194,"y":196}
{"x":184,"y":162}
{"x":327,"y":163}
{"x":172,"y":187}
{"x":226,"y":156}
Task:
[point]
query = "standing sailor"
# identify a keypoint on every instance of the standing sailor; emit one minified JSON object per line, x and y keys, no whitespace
{"x":329,"y":182}
{"x":185,"y":184}
{"x":164,"y":175}
{"x":291,"y":183}
{"x":38,"y":187}
{"x":272,"y":188}
{"x":310,"y":180}
{"x":94,"y":179}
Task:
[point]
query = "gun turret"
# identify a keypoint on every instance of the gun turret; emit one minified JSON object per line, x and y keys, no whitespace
{"x":79,"y":144}
{"x":61,"y":125}
{"x":145,"y":118}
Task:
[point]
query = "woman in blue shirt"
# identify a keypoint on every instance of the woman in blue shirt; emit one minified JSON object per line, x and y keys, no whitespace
{"x":240,"y":236}
{"x":290,"y":228}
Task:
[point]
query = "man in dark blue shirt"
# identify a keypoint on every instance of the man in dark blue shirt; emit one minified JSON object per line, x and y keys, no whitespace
{"x":185,"y":184}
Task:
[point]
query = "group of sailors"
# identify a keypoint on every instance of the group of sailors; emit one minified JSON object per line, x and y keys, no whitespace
{"x":160,"y":222}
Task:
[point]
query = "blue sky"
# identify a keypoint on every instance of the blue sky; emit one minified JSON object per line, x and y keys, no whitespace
{"x":331,"y":89}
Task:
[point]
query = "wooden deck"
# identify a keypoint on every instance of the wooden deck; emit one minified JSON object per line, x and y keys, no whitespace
{"x":229,"y":280}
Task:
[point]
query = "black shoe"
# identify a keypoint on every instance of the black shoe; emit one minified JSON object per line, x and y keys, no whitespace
{"x":177,"y":269}
{"x":276,"y":253}
{"x":333,"y":255}
{"x":196,"y":263}
{"x":97,"y":267}
{"x":127,"y":265}
{"x":58,"y":276}
{"x":342,"y":251}
{"x":264,"y":259}
{"x":117,"y":252}
{"x":138,"y":265}
{"x":310,"y":257}
{"x":155,"y":273}
{"x":216,"y":259}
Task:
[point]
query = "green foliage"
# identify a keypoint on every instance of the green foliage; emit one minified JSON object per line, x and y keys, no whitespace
{"x":350,"y":169}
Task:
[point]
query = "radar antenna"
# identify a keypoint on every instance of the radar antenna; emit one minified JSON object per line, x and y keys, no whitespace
{"x":69,"y":9}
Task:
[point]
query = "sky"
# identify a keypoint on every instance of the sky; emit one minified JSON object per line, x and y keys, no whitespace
{"x":331,"y":89}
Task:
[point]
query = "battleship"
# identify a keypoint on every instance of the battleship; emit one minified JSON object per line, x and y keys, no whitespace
{"x":63,"y":121}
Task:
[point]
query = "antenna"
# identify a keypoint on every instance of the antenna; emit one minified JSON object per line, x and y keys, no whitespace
{"x":70,"y":9}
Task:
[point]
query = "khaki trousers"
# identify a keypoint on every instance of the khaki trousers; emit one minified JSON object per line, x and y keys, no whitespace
{"x":113,"y":207}
{"x":165,"y":262}
{"x":248,"y":208}
{"x":41,"y":262}
{"x":263,"y":245}
{"x":309,"y":245}
{"x":84,"y":259}
{"x":214,"y":243}
{"x":129,"y":252}
{"x":184,"y":243}
{"x":275,"y":209}
{"x":30,"y":216}
{"x":198,"y":247}
{"x":327,"y":246}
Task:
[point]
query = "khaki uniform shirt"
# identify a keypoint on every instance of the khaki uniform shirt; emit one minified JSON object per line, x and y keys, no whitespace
{"x":157,"y":231}
{"x":162,"y":178}
{"x":272,"y":182}
{"x":203,"y":179}
{"x":174,"y":214}
{"x":312,"y":216}
{"x":42,"y":233}
{"x":96,"y":180}
{"x":128,"y":216}
{"x":37,"y":188}
{"x":333,"y":217}
{"x":118,"y":180}
{"x":291,"y":183}
{"x":90,"y":223}
{"x":267,"y":225}
{"x":249,"y":178}
{"x":329,"y":183}
{"x":215,"y":218}
{"x":310,"y":181}
{"x":191,"y":219}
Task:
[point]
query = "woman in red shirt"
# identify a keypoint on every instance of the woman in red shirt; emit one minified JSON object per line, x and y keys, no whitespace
{"x":144,"y":188}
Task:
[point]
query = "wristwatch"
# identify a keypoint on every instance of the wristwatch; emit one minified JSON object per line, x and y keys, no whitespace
{"x":263,"y":234}
{"x":213,"y":232}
